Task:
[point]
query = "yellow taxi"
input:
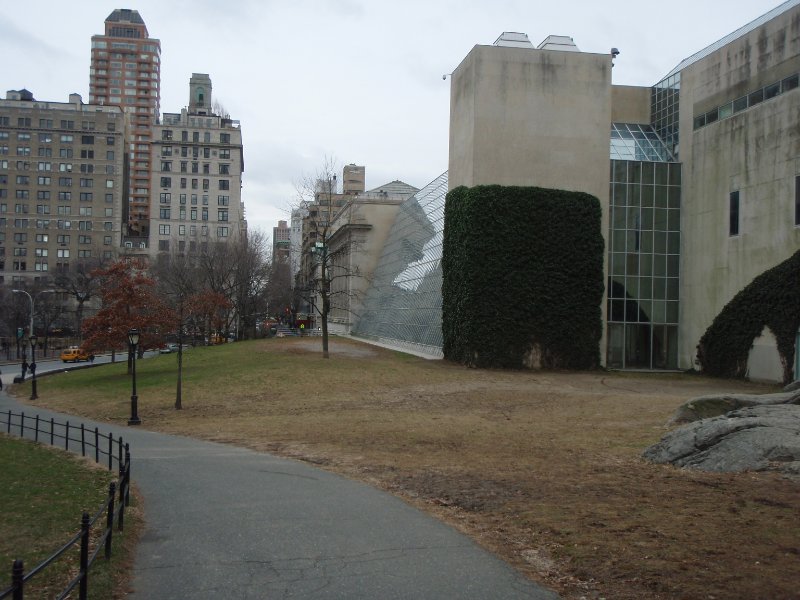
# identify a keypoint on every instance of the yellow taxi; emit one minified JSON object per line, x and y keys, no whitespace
{"x":75,"y":354}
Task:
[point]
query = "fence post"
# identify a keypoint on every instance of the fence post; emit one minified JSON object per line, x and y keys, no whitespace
{"x":52,"y":431}
{"x":17,"y":579}
{"x":128,"y":475}
{"x":119,"y":452}
{"x":36,"y":435}
{"x":66,"y":437}
{"x":22,"y":425}
{"x":110,"y":518}
{"x":8,"y":430}
{"x":110,"y":449}
{"x":96,"y":446}
{"x":84,"y":588}
{"x":83,"y":440}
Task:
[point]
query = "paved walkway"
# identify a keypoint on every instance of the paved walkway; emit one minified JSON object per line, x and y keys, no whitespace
{"x":224,"y":522}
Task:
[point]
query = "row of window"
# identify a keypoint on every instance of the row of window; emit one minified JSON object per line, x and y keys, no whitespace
{"x":757,"y":97}
{"x":62,"y":209}
{"x":734,"y":209}
{"x":60,"y":224}
{"x":166,"y":213}
{"x":46,"y":151}
{"x":167,"y":136}
{"x":49,"y":138}
{"x":223,"y":184}
{"x":166,"y":198}
{"x":50,"y":124}
{"x":163,"y":245}
{"x":224,"y":169}
{"x":224,"y":153}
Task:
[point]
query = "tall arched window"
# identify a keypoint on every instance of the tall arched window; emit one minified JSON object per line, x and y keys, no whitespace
{"x":201,"y":94}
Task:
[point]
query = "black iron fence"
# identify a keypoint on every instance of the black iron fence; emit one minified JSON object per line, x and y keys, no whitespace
{"x":100,"y":445}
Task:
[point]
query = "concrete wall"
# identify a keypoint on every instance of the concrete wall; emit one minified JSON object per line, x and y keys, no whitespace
{"x":764,"y":361}
{"x":630,"y":104}
{"x":531,"y":117}
{"x":756,"y":152}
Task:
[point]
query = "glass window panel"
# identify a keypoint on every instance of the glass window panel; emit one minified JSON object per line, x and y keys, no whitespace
{"x":646,"y":264}
{"x":633,"y":217}
{"x":646,"y":197}
{"x":755,"y":97}
{"x":790,"y":83}
{"x":645,"y":288}
{"x":740,"y":104}
{"x":616,"y":287}
{"x":659,"y":265}
{"x":660,"y":242}
{"x":617,"y":310}
{"x":632,"y":286}
{"x":673,"y":286}
{"x":674,"y":220}
{"x":659,"y":288}
{"x":672,"y":312}
{"x":634,"y":191}
{"x":618,"y":241}
{"x":660,"y":223}
{"x":635,"y":172}
{"x":647,"y":241}
{"x":618,"y":263}
{"x":662,"y":173}
{"x":659,"y":314}
{"x":617,"y":217}
{"x":699,"y":121}
{"x":711,"y":116}
{"x":632,"y":263}
{"x":646,"y":223}
{"x":620,"y":170}
{"x":674,"y":242}
{"x":726,"y":110}
{"x":674,"y":197}
{"x":660,"y":196}
{"x":647,"y":172}
{"x":645,"y":310}
{"x":674,"y":173}
{"x":673,"y":265}
{"x":620,"y":194}
{"x":772,"y":90}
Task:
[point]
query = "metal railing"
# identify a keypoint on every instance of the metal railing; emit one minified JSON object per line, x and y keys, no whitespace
{"x":113,"y":508}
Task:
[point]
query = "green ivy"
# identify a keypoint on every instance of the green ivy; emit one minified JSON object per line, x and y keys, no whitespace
{"x":772,"y":299}
{"x":522,"y":272}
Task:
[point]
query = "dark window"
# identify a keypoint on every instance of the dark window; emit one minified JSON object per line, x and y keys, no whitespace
{"x":734,"y":213}
{"x":797,"y":200}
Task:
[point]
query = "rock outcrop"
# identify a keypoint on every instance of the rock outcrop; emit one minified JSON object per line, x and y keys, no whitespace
{"x":753,"y":433}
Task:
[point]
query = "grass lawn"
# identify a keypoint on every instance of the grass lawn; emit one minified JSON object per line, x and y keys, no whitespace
{"x":43,"y":492}
{"x":543,"y":468}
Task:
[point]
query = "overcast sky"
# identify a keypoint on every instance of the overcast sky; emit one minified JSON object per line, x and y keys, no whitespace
{"x":360,"y":81}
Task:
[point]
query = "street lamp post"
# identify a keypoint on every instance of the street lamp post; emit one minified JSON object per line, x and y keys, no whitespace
{"x":133,"y":341}
{"x":32,"y":367}
{"x":31,"y":335}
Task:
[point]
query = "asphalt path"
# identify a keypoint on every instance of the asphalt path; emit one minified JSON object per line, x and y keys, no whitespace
{"x":225,"y":522}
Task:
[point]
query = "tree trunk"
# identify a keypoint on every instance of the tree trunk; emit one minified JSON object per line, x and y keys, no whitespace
{"x":326,"y":303}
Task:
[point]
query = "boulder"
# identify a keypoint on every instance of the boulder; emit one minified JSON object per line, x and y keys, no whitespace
{"x":704,"y":407}
{"x":755,"y":438}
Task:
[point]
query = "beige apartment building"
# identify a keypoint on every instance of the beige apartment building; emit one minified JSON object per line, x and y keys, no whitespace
{"x":198,"y":162}
{"x":62,"y":185}
{"x":126,"y":72}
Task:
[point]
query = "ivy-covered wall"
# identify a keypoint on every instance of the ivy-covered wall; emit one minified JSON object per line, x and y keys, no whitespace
{"x":771,"y":299}
{"x":522,"y":272}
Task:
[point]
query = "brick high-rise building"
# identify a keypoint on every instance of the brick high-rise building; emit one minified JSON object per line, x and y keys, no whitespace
{"x":126,"y":72}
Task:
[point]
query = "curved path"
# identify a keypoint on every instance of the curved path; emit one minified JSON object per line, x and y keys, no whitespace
{"x":225,"y":522}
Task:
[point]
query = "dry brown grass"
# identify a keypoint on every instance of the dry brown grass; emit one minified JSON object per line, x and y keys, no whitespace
{"x":542,"y":468}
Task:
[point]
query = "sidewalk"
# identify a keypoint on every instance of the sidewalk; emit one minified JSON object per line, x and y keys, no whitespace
{"x":224,"y":522}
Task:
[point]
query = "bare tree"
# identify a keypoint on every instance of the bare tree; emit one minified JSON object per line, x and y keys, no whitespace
{"x":325,"y":265}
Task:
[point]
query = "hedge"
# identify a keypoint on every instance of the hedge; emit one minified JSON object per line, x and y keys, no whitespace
{"x":522,"y":272}
{"x":773,"y":300}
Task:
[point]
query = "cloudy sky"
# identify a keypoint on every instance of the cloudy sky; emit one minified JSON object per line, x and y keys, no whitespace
{"x":356,"y":80}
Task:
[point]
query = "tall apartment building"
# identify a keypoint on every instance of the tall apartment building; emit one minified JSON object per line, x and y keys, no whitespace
{"x":197,"y":168}
{"x":61,"y":185}
{"x":281,"y":239}
{"x":126,"y":72}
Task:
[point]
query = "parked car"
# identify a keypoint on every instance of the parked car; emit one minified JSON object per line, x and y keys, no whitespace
{"x":75,"y":354}
{"x":168,"y":348}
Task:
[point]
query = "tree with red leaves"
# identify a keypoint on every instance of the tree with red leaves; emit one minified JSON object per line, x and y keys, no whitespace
{"x":129,"y":300}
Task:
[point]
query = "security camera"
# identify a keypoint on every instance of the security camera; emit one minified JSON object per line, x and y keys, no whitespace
{"x":614,"y":52}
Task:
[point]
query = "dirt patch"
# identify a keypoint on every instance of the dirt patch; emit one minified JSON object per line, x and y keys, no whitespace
{"x":542,"y":468}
